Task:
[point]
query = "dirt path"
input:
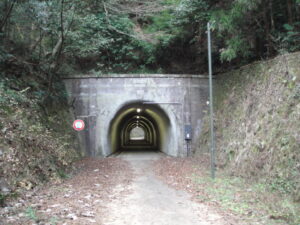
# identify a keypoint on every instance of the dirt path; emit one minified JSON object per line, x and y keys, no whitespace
{"x":122,"y":190}
{"x":152,"y":202}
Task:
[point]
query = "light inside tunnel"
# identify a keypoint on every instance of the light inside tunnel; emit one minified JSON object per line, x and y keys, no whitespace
{"x":137,"y":133}
{"x":137,"y":126}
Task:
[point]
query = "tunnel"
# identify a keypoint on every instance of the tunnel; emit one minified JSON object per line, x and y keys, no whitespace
{"x":139,"y":126}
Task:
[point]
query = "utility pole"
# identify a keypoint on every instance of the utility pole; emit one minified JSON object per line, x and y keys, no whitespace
{"x":212,"y":140}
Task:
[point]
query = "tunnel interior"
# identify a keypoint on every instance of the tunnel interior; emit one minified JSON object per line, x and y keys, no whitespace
{"x":139,"y":126}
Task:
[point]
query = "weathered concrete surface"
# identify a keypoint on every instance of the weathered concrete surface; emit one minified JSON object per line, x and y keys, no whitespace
{"x":150,"y":201}
{"x":102,"y":103}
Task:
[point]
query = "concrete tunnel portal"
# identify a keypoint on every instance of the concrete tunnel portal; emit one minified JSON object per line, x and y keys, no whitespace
{"x":139,"y":126}
{"x":128,"y":112}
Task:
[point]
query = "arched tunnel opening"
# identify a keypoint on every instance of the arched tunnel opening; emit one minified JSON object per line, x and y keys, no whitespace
{"x":139,"y":126}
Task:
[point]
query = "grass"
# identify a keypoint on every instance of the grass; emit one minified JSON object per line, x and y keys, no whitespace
{"x":5,"y":197}
{"x":53,"y":220}
{"x":255,"y":202}
{"x":2,"y":199}
{"x":62,"y":174}
{"x":31,"y":214}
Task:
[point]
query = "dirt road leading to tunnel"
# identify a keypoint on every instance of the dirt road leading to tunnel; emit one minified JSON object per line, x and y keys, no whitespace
{"x":119,"y":190}
{"x":152,"y":202}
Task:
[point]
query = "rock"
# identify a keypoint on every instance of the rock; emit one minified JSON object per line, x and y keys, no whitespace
{"x":28,"y":195}
{"x":36,"y":205}
{"x":21,"y":215}
{"x":65,"y":210}
{"x":26,"y":185}
{"x":97,"y":201}
{"x":88,"y":196}
{"x":88,"y":214}
{"x":7,"y":209}
{"x":4,"y":187}
{"x":11,"y":219}
{"x":72,"y":216}
{"x":19,"y":204}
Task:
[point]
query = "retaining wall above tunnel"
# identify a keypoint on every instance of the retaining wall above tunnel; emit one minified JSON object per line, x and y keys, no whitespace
{"x":168,"y":104}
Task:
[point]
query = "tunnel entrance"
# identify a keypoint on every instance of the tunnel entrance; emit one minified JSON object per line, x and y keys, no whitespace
{"x":139,"y":126}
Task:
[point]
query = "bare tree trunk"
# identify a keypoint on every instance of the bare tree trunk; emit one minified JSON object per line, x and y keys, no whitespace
{"x":290,"y":11}
{"x":267,"y":26}
{"x":272,"y":15}
{"x":37,"y":42}
{"x":57,"y":47}
{"x":56,"y":53}
{"x":7,"y":15}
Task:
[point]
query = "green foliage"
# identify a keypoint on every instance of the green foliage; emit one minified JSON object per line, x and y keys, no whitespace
{"x":108,"y":37}
{"x":2,"y":199}
{"x":283,"y":186}
{"x":289,"y":39}
{"x":192,"y":12}
{"x":160,"y":22}
{"x":230,"y":25}
{"x":236,"y":46}
{"x":62,"y":174}
{"x":53,"y":220}
{"x":242,"y":29}
{"x":6,"y":197}
{"x":11,"y":97}
{"x":92,"y":34}
{"x":31,"y":214}
{"x":252,"y":201}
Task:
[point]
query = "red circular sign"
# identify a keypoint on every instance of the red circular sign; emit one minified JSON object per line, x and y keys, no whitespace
{"x":78,"y":125}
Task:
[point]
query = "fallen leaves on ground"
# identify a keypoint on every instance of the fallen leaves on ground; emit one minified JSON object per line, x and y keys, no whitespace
{"x":80,"y":200}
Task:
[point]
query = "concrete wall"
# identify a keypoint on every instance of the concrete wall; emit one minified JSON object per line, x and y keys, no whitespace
{"x":97,"y":101}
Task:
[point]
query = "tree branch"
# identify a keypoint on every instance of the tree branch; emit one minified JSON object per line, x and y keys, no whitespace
{"x":5,"y":18}
{"x":112,"y":27}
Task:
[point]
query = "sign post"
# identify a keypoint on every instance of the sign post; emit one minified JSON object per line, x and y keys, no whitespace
{"x":212,"y":141}
{"x":78,"y":125}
